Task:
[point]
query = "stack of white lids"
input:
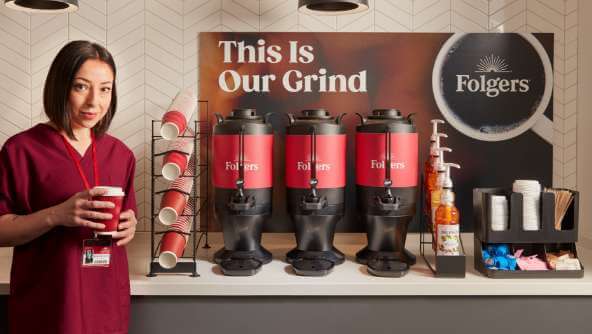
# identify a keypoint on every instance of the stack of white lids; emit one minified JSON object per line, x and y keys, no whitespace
{"x":499,"y":213}
{"x":531,"y":192}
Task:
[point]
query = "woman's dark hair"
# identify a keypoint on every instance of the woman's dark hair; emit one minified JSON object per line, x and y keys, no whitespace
{"x":59,"y":82}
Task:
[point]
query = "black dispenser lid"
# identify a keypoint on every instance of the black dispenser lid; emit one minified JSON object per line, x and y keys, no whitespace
{"x":320,"y":119}
{"x":389,"y":119}
{"x":314,"y":114}
{"x":246,"y":113}
{"x":386,"y":114}
{"x":243,"y":119}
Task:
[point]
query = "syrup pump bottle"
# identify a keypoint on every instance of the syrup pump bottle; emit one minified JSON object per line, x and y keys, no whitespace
{"x":430,"y":171}
{"x":437,"y":188}
{"x":447,"y":226}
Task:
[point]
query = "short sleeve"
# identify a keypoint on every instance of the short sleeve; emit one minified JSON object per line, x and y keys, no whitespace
{"x":130,"y":194}
{"x":7,"y":183}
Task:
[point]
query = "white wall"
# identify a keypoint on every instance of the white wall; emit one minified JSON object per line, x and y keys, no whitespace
{"x":154,"y":45}
{"x":585,"y":119}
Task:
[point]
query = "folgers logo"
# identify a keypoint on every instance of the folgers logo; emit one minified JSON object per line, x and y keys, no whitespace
{"x":234,"y":166}
{"x":258,"y":161}
{"x":491,"y":86}
{"x":330,"y":161}
{"x":306,"y":166}
{"x":375,"y":164}
{"x":371,"y":156}
{"x":494,"y":87}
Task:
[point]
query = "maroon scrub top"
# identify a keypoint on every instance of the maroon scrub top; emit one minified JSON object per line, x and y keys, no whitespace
{"x":49,"y":290}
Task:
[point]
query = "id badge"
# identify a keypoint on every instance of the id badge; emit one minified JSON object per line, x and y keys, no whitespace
{"x":96,"y":253}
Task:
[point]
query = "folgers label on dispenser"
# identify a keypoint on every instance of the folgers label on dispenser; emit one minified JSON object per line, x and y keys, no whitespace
{"x":371,"y":159}
{"x":258,"y":161}
{"x":330,"y":161}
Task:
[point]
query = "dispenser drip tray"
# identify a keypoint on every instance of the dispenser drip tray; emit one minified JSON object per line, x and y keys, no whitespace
{"x":364,"y":256}
{"x":312,"y":267}
{"x":314,"y":263}
{"x":240,"y":267}
{"x":241,"y":263}
{"x":387,"y":267}
{"x":261,"y":254}
{"x":334,"y":255}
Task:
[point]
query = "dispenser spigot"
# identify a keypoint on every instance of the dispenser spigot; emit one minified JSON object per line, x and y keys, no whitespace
{"x":240,"y":188}
{"x":238,"y":201}
{"x":313,"y":201}
{"x":388,"y":202}
{"x":313,"y":188}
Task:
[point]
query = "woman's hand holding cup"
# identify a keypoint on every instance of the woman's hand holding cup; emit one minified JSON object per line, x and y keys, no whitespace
{"x":80,"y":210}
{"x":98,"y":208}
{"x":127,"y":227}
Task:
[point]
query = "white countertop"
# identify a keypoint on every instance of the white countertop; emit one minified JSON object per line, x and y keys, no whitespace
{"x":348,"y":279}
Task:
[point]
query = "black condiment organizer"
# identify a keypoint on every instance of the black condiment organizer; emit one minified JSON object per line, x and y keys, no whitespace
{"x":530,"y":248}
{"x":187,"y":263}
{"x":547,"y":232}
{"x":444,"y":266}
{"x":547,"y":238}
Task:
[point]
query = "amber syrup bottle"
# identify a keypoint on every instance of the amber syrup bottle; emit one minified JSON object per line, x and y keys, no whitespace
{"x":447,"y":228}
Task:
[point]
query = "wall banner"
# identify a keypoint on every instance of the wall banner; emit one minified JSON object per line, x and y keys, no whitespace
{"x":494,"y":90}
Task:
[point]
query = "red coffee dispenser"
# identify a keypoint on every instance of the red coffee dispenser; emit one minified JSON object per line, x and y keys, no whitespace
{"x":386,"y":188}
{"x":242,"y":155}
{"x":315,"y":182}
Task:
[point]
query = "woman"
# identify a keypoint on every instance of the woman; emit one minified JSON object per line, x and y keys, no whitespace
{"x":47,"y":211}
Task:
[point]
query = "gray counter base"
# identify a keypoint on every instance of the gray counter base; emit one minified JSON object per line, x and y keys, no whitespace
{"x":344,"y":315}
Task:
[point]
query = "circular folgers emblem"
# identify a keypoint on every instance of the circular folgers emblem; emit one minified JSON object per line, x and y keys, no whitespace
{"x":494,"y":87}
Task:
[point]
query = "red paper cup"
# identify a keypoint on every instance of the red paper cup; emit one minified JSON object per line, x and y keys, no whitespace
{"x":114,"y":195}
{"x":173,"y":165}
{"x":184,"y":184}
{"x":171,"y":249}
{"x":171,"y":206}
{"x":173,"y":124}
{"x":183,"y":223}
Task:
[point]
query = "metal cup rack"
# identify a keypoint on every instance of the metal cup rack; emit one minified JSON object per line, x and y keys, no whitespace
{"x":444,"y":266}
{"x":187,"y":264}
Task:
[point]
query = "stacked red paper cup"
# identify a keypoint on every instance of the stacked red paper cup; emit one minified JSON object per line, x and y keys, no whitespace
{"x":174,"y":200}
{"x":176,"y":160}
{"x":174,"y":121}
{"x":175,"y":239}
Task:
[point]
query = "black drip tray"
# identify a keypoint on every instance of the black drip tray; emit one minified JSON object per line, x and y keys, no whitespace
{"x":385,"y":267}
{"x":312,"y":267}
{"x":240,"y":267}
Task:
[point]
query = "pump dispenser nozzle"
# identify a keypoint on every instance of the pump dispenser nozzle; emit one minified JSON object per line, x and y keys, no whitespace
{"x":447,"y":196}
{"x":435,"y":123}
{"x":435,"y":137}
{"x":439,"y":165}
{"x":447,"y":184}
{"x":436,"y":143}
